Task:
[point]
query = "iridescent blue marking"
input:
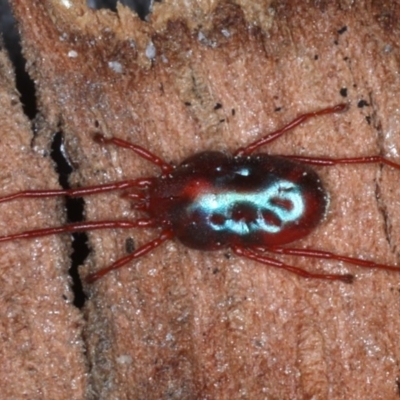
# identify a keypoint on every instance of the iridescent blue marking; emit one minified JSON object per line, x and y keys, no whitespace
{"x":264,"y":200}
{"x":243,"y":171}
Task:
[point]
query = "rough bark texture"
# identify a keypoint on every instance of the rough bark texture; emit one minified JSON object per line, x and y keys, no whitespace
{"x":41,"y":349}
{"x":184,"y":324}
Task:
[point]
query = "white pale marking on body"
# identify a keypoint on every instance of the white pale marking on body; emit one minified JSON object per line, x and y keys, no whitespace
{"x":243,"y":172}
{"x":264,"y":200}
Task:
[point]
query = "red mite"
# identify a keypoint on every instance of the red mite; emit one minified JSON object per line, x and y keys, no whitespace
{"x":252,"y":204}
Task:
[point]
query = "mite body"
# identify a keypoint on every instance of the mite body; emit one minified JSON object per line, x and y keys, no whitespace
{"x":250,"y":203}
{"x":213,"y":201}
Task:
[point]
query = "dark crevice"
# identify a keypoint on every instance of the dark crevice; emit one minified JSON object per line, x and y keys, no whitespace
{"x":141,"y":7}
{"x":12,"y":44}
{"x":75,"y":213}
{"x":382,"y":208}
{"x":381,"y":203}
{"x":26,"y":88}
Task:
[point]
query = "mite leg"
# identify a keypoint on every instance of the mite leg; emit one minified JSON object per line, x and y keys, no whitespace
{"x":142,"y":152}
{"x":81,"y":227}
{"x":327,"y":162}
{"x":274,"y":135}
{"x":253,"y":255}
{"x":141,"y":251}
{"x":89,"y":190}
{"x":330,"y":256}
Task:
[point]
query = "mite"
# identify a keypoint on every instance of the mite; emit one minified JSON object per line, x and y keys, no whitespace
{"x":253,"y":204}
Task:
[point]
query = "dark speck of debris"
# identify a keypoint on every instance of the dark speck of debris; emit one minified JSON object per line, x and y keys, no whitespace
{"x":222,"y":120}
{"x":398,"y":385}
{"x":362,"y":103}
{"x":336,"y":42}
{"x":188,"y":103}
{"x":316,"y":57}
{"x":278,"y":109}
{"x":129,"y":245}
{"x":215,"y":271}
{"x":343,"y":92}
{"x":368,"y":118}
{"x":217,"y":106}
{"x":233,"y":111}
{"x":342,"y":30}
{"x":346,"y":58}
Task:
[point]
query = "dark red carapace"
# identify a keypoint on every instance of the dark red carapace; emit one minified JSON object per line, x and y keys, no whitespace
{"x":250,"y":203}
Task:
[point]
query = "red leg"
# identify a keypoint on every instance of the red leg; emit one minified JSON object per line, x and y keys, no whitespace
{"x":275,"y":135}
{"x":81,"y":227}
{"x":138,"y":183}
{"x":326,"y":162}
{"x":252,"y":255}
{"x":330,"y":256}
{"x":142,"y":152}
{"x":141,"y":251}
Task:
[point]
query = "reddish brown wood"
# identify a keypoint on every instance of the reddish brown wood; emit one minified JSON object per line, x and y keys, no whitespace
{"x":186,"y":324}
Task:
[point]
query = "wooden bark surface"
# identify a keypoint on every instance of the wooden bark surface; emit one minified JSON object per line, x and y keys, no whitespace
{"x":216,"y":75}
{"x":41,"y":346}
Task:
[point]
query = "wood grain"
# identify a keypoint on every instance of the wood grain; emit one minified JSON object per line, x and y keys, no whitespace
{"x":216,"y":75}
